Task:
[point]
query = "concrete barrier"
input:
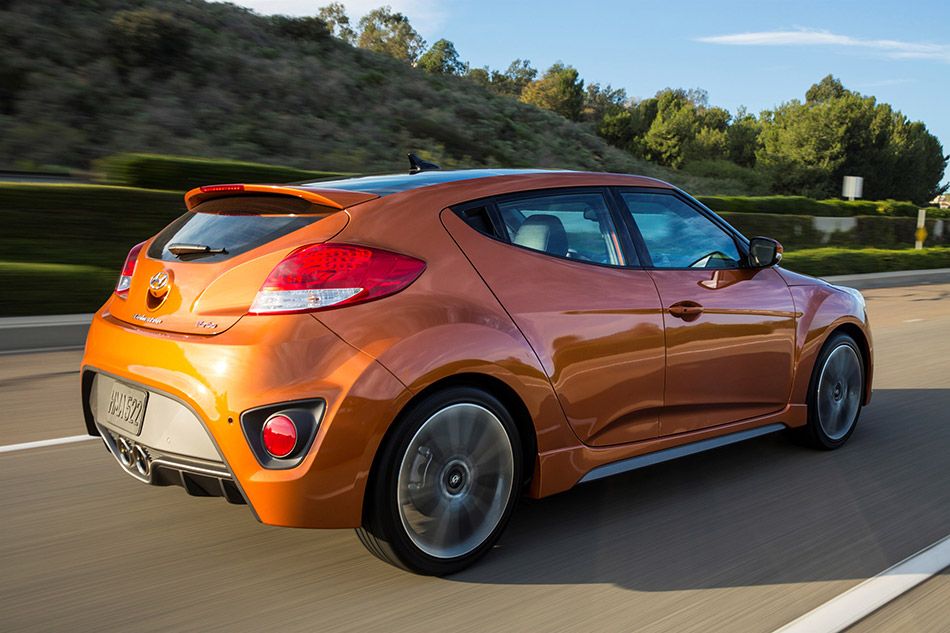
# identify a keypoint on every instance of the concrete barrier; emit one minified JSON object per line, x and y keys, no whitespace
{"x":55,"y":331}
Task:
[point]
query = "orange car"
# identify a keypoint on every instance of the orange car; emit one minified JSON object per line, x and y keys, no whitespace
{"x":410,"y":354}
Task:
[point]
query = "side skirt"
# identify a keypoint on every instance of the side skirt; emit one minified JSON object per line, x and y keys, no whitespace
{"x":649,"y":459}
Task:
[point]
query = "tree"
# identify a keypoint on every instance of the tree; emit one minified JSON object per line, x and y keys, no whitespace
{"x":743,"y":138}
{"x":442,"y":59}
{"x":808,"y":147}
{"x":338,"y":22}
{"x":684,"y":128}
{"x":334,"y":16}
{"x":515,"y":79}
{"x":383,"y":31}
{"x":598,"y":101}
{"x":559,"y":90}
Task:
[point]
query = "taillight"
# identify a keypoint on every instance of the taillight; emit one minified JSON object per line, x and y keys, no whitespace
{"x":125,"y":278}
{"x":330,"y":275}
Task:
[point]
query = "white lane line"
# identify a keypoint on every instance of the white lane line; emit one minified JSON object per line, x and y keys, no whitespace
{"x":9,"y":448}
{"x":872,"y":594}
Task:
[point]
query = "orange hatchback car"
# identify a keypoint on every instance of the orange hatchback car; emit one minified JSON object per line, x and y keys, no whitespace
{"x":410,"y":354}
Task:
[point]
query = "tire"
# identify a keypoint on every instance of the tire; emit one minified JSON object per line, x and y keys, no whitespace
{"x":445,"y":484}
{"x":835,"y":394}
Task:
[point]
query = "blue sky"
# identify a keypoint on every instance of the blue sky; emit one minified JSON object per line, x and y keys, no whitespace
{"x":755,"y":54}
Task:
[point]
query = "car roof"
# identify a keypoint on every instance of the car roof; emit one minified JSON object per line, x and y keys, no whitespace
{"x":386,"y":184}
{"x":345,"y":193}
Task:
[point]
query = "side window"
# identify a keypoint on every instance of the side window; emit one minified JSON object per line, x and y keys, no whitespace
{"x":679,"y":236}
{"x":575,"y":225}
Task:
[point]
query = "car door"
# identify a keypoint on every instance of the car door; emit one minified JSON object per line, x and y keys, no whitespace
{"x":730,"y":329}
{"x":592,"y":316}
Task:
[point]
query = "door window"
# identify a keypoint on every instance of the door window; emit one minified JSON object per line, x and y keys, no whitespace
{"x":678,"y":236}
{"x":576,"y":226}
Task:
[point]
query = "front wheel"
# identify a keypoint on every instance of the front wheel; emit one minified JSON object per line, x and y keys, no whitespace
{"x":445,"y":485}
{"x":835,"y":393}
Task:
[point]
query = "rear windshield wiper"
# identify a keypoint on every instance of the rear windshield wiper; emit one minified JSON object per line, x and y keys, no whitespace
{"x":194,"y":250}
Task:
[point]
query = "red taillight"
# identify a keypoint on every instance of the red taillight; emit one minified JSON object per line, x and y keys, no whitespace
{"x":331,"y":275}
{"x":212,"y":188}
{"x":279,"y":435}
{"x":125,"y":277}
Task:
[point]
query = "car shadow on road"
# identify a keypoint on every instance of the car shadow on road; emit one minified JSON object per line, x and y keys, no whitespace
{"x":765,"y":511}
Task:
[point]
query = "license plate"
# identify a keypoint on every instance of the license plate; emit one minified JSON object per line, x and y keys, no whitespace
{"x":125,"y":408}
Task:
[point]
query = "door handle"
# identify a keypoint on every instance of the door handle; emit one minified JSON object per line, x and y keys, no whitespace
{"x":686,"y":310}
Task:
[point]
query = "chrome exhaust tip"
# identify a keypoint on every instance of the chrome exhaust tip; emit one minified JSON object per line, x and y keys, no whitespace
{"x":141,"y":460}
{"x":124,"y":449}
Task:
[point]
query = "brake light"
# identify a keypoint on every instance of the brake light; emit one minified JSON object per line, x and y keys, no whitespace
{"x":212,"y":188}
{"x":320,"y":276}
{"x":125,"y":277}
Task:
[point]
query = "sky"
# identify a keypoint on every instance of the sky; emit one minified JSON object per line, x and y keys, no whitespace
{"x":755,"y":54}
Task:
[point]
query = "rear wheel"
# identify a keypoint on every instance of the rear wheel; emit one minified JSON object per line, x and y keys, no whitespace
{"x":445,"y":485}
{"x":835,"y":393}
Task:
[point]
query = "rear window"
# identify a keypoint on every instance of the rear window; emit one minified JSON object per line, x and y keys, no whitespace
{"x":233,"y":225}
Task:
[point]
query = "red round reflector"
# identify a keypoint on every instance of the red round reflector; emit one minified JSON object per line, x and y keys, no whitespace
{"x":279,"y":435}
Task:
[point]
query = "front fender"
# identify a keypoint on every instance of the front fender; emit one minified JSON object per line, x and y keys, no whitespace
{"x":823,"y":310}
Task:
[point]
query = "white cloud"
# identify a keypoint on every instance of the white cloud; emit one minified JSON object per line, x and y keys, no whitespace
{"x":814,"y":37}
{"x":426,"y":17}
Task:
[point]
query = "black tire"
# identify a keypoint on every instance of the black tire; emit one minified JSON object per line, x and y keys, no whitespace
{"x":835,"y":394}
{"x":445,"y":484}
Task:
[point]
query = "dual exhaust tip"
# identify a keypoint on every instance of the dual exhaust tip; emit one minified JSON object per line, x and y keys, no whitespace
{"x":132,"y":456}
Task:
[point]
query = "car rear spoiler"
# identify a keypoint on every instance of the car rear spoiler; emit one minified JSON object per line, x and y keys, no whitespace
{"x":335,"y":198}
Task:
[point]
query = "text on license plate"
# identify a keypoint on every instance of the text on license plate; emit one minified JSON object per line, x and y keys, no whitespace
{"x":126,"y":407}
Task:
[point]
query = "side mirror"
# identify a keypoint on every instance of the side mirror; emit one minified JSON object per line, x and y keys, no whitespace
{"x":764,"y":252}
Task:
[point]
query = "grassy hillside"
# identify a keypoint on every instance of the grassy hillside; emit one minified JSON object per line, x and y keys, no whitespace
{"x":84,"y":80}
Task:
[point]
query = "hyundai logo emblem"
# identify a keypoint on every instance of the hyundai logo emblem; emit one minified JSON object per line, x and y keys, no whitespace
{"x":158,"y":281}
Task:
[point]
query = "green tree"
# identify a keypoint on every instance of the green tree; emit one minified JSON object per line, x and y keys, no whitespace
{"x":515,"y":79}
{"x":685,"y":128}
{"x":808,"y":147}
{"x":335,"y":17}
{"x":559,"y":90}
{"x":743,"y":138}
{"x":442,"y":59}
{"x":383,"y":31}
{"x":598,"y":101}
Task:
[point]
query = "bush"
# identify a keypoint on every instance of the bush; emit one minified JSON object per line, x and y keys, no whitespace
{"x":755,"y":181}
{"x":152,"y":171}
{"x":798,"y":205}
{"x":91,"y":225}
{"x":798,"y":231}
{"x":838,"y":261}
{"x":30,"y":289}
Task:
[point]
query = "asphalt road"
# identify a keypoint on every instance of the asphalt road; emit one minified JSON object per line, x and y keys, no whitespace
{"x":744,"y":538}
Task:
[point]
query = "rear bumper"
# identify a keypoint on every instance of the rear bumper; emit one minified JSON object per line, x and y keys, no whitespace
{"x":204,"y":384}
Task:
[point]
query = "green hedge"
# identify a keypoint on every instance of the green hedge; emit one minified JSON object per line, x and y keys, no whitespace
{"x":93,"y":225}
{"x":797,"y":205}
{"x":152,"y":171}
{"x":823,"y":262}
{"x":30,"y":289}
{"x":797,"y":231}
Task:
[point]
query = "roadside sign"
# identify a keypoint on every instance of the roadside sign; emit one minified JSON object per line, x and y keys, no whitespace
{"x":921,"y":233}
